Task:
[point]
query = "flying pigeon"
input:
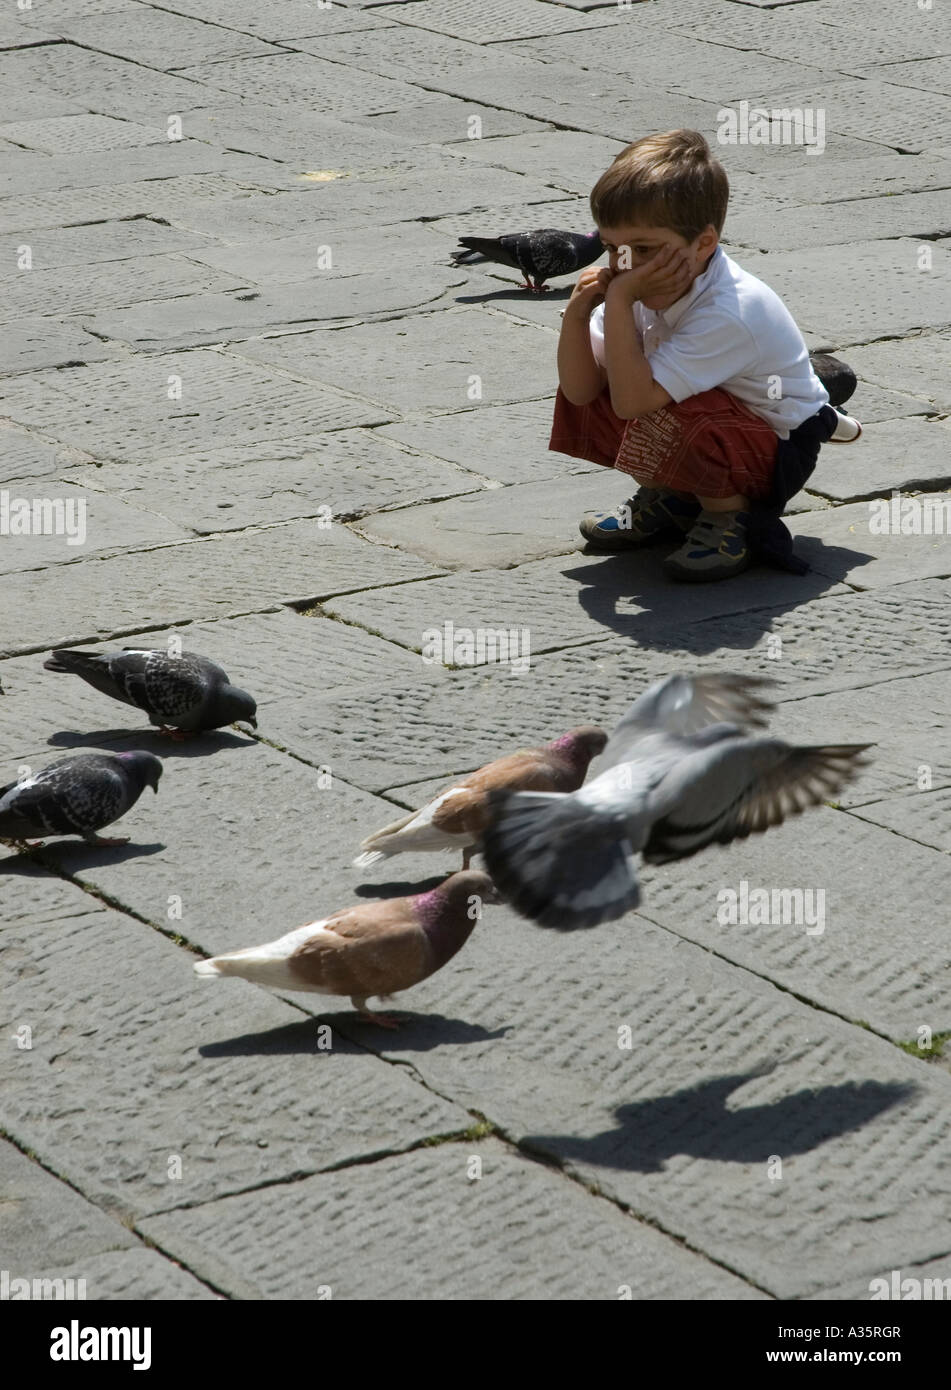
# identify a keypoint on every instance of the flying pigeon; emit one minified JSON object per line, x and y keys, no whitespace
{"x":187,"y":693}
{"x":77,"y":796}
{"x":371,"y":949}
{"x":682,"y":770}
{"x":457,"y":816}
{"x":538,"y":255}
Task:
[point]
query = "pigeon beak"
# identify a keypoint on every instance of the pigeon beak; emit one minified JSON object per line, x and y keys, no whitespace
{"x":253,"y":722}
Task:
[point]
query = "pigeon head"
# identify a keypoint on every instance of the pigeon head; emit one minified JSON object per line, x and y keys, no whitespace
{"x":233,"y":704}
{"x":582,"y":744}
{"x":448,"y":913}
{"x":145,"y":768}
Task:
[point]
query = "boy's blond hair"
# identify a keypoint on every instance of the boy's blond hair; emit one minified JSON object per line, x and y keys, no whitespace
{"x":670,"y":180}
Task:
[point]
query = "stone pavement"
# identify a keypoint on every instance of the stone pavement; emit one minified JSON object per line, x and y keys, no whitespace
{"x":302,"y":438}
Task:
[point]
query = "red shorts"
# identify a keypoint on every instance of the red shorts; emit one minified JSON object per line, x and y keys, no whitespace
{"x":710,"y":445}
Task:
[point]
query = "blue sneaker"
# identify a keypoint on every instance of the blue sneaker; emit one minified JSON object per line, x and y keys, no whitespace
{"x":650,"y":514}
{"x":716,"y":548}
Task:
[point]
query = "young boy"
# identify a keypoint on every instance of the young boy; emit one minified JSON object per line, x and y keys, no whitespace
{"x":678,"y":367}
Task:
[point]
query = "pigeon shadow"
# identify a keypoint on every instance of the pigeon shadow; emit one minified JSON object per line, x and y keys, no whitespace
{"x":549,"y":296}
{"x":194,"y":746}
{"x":701,"y":618}
{"x":696,"y":1122}
{"x":69,"y":858}
{"x":401,"y":889}
{"x":416,"y":1034}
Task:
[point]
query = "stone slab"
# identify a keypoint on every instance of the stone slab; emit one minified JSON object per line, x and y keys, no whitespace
{"x":87,"y":523}
{"x":158,"y":39}
{"x":568,"y":159}
{"x":34,"y":344}
{"x":108,"y":285}
{"x":839,"y":542}
{"x":301,"y":78}
{"x":504,"y":443}
{"x":439,"y":119}
{"x":27,"y":455}
{"x":428,"y":362}
{"x":351,"y":472}
{"x":520,"y":1232}
{"x":50,"y":1232}
{"x":105,"y":241}
{"x":157,"y":1067}
{"x":919,"y":215}
{"x":123,"y":410}
{"x":924,"y":817}
{"x":29,"y":172}
{"x":497,"y":527}
{"x":432,"y":59}
{"x":199,"y":320}
{"x":817,"y":286}
{"x":494,"y":20}
{"x":123,"y":89}
{"x":294,"y":19}
{"x":919,"y":366}
{"x":68,"y":134}
{"x":216,"y":577}
{"x":136,"y":199}
{"x":905,"y":454}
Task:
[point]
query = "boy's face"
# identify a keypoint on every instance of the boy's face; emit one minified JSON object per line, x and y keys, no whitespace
{"x":631,"y":247}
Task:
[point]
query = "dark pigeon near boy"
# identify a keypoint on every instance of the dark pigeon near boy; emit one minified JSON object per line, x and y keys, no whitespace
{"x":538,"y":255}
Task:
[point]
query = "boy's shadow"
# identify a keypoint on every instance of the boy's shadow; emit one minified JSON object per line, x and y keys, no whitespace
{"x":631,"y":595}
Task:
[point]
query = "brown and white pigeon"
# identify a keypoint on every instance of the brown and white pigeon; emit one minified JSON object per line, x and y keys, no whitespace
{"x":77,"y":796}
{"x":186,"y":692}
{"x":372,"y":949}
{"x":457,"y":816}
{"x":538,"y":255}
{"x":675,"y":777}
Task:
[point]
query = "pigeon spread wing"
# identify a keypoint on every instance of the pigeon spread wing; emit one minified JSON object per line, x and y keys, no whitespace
{"x":743,"y":787}
{"x":684,"y":705}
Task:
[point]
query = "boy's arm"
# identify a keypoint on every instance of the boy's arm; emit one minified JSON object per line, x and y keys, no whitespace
{"x":580,"y":377}
{"x":634,"y":392}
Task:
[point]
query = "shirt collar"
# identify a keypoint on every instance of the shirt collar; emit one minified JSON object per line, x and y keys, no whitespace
{"x":675,"y":312}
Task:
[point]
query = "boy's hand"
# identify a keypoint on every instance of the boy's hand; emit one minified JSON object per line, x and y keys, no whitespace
{"x":590,"y":289}
{"x":668,"y":275}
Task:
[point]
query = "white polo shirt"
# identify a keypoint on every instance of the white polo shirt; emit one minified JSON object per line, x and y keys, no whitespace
{"x":733,"y":331}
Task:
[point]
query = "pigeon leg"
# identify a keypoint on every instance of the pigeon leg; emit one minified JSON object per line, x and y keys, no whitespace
{"x":177,"y":735}
{"x":93,"y":839}
{"x":467,"y":854}
{"x":384,"y":1020}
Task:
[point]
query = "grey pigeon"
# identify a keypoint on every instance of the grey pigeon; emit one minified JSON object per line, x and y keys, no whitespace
{"x":77,"y":796}
{"x":682,"y":770}
{"x":186,"y":692}
{"x":538,"y":255}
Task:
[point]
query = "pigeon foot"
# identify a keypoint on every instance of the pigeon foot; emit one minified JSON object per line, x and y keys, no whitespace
{"x":384,"y":1020}
{"x":103,"y":840}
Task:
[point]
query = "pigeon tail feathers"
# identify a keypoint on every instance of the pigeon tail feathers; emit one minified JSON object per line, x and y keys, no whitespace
{"x":558,"y":861}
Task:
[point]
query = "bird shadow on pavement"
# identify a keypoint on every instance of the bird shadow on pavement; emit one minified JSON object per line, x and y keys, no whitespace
{"x":69,"y":858}
{"x":401,"y":889}
{"x":549,"y":296}
{"x":697,"y":1122}
{"x":194,"y":746}
{"x":665,"y":615}
{"x":415,"y":1033}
